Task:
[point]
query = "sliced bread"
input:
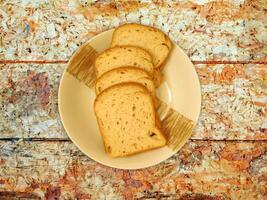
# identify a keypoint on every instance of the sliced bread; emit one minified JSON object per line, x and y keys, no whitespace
{"x":122,"y":75}
{"x":149,"y":38}
{"x":123,"y":56}
{"x":127,"y":120}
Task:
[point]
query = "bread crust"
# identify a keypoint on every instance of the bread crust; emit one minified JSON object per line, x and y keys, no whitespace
{"x":124,"y":67}
{"x":127,"y":67}
{"x":154,"y":96}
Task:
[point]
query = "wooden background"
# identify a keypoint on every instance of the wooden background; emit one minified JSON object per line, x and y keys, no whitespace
{"x":225,"y":159}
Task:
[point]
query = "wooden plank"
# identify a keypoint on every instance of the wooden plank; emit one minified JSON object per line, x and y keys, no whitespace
{"x":206,"y":30}
{"x":234,"y":104}
{"x":201,"y":170}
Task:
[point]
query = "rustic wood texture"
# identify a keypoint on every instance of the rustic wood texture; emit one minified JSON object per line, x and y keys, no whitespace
{"x":234,"y":104}
{"x":225,"y":158}
{"x":206,"y":30}
{"x":201,"y":170}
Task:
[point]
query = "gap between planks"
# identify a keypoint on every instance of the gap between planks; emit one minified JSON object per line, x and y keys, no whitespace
{"x":68,"y":140}
{"x":66,"y":61}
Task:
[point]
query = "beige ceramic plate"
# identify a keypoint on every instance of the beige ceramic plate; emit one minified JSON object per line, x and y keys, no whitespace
{"x":181,"y":90}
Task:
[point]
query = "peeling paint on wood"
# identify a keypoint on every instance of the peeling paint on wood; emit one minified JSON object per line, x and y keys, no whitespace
{"x":201,"y":170}
{"x":234,"y":100}
{"x":206,"y":30}
{"x":28,"y":101}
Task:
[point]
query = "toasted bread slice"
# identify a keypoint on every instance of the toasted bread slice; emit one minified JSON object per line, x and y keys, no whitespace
{"x":149,"y":38}
{"x":127,"y":120}
{"x":123,"y":56}
{"x":122,"y":75}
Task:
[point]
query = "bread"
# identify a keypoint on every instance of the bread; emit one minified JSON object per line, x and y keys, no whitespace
{"x":122,"y":75}
{"x":149,"y":38}
{"x":126,"y":118}
{"x":123,"y":56}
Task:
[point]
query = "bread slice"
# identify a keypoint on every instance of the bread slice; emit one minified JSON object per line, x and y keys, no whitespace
{"x":123,"y":56}
{"x":127,"y":120}
{"x":122,"y":75}
{"x":149,"y":38}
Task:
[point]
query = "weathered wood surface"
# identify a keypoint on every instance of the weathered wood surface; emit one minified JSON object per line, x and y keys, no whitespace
{"x":206,"y":30}
{"x":227,"y":41}
{"x":201,"y":170}
{"x":234,"y":103}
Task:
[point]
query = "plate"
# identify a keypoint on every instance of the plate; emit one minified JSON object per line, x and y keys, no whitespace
{"x":180,"y":90}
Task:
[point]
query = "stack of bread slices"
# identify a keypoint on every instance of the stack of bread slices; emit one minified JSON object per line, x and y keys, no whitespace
{"x":127,"y":76}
